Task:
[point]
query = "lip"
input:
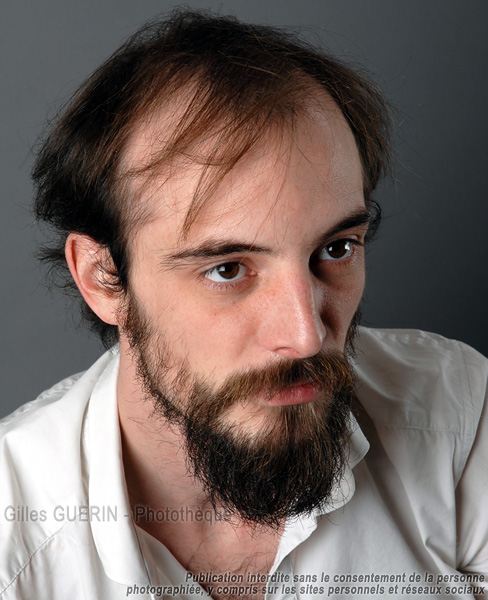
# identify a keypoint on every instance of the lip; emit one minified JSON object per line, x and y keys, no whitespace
{"x":295,"y":394}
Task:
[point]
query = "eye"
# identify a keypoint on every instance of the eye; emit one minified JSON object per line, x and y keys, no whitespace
{"x":231,"y":271}
{"x":337,"y":250}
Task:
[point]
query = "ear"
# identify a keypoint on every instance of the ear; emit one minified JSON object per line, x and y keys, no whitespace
{"x":90,"y":263}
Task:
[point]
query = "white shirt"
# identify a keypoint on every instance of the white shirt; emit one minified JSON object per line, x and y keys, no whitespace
{"x":411,"y":510}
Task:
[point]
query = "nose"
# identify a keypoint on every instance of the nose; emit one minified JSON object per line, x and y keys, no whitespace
{"x":291,"y":322}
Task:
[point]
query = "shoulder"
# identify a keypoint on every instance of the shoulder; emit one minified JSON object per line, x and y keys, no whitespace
{"x":420,"y":379}
{"x":422,"y":400}
{"x":41,"y":465}
{"x":38,"y":430}
{"x":424,"y":394}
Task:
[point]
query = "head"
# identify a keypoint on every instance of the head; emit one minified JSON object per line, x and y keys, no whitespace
{"x":212,"y":184}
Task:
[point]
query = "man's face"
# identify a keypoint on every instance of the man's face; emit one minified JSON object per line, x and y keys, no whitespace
{"x":267,"y":281}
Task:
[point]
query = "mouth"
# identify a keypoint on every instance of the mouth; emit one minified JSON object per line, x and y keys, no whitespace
{"x":295,"y":394}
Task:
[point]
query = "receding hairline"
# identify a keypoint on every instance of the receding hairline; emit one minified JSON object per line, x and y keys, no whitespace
{"x":146,"y":160}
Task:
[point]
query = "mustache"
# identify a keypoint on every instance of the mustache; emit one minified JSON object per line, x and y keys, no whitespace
{"x":329,"y":371}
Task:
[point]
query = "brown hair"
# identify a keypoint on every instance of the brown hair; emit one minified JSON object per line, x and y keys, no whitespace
{"x":239,"y":79}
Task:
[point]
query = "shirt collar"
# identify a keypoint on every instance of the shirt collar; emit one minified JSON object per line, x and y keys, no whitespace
{"x":116,"y":540}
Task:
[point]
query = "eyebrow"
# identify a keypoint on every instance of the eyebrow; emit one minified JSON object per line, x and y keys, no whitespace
{"x":217,"y":248}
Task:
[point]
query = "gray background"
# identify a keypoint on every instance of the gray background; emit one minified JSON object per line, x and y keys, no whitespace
{"x":428,"y":268}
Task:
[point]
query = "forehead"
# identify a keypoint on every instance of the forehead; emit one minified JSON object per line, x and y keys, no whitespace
{"x":312,"y":157}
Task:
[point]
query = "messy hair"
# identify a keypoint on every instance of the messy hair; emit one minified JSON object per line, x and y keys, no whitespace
{"x":238,"y":81}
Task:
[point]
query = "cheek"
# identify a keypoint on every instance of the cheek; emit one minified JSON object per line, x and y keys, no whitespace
{"x":356,"y":289}
{"x":342,"y":299}
{"x":213,"y":340}
{"x":218,"y":339}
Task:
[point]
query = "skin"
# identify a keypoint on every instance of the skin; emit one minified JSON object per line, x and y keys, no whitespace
{"x":295,"y":206}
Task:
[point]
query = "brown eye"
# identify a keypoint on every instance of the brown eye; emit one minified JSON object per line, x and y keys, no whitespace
{"x":338,"y":250}
{"x":231,"y":271}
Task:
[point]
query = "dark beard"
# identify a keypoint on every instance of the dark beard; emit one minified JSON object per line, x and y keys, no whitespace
{"x":291,"y":465}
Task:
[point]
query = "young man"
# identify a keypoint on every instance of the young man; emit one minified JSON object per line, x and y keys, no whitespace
{"x":212,"y":186}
